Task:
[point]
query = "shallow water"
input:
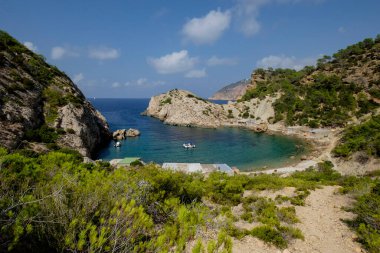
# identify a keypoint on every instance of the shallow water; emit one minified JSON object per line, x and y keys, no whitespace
{"x":163,"y":143}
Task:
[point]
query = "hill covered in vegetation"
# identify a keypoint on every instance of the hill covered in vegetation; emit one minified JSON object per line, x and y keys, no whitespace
{"x":41,"y":108}
{"x":339,"y":90}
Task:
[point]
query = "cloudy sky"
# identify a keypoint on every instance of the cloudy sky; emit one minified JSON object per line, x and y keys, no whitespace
{"x":122,"y":48}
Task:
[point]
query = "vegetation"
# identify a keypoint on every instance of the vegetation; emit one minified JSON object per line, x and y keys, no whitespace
{"x":362,"y":137}
{"x":95,"y":207}
{"x":319,"y":96}
{"x":367,"y":210}
{"x":166,"y":101}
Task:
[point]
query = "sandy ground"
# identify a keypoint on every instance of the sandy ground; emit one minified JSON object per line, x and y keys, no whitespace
{"x":321,"y":225}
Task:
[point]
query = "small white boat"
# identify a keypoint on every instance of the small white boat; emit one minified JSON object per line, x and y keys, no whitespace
{"x":188,"y":145}
{"x":117,"y":144}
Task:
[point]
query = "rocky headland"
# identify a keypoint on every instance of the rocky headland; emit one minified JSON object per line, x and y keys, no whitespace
{"x":333,"y":105}
{"x":183,"y":108}
{"x":40,"y":104}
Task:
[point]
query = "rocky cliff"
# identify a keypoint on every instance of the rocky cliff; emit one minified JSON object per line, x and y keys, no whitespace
{"x":39,"y":103}
{"x":180,"y":107}
{"x":232,"y":91}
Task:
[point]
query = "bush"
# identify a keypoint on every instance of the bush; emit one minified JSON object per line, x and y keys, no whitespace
{"x":363,"y":137}
{"x":269,"y":235}
{"x":43,"y":134}
{"x":166,"y":101}
{"x":367,"y":222}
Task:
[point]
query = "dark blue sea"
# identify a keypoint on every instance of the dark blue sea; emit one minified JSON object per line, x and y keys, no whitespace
{"x":161,"y":143}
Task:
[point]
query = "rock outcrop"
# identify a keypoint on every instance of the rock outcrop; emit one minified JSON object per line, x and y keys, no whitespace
{"x":179,"y":107}
{"x":35,"y":95}
{"x":121,"y":134}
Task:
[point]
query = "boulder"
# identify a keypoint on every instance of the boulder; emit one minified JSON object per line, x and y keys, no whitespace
{"x":132,"y":132}
{"x":121,"y":134}
{"x":261,"y":127}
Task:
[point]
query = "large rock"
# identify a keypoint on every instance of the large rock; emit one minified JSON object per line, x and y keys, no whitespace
{"x":34,"y":93}
{"x":121,"y":134}
{"x":179,"y":107}
{"x":132,"y":132}
{"x":261,"y":127}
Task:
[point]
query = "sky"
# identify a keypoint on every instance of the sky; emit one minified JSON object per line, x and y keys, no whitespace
{"x":137,"y":49}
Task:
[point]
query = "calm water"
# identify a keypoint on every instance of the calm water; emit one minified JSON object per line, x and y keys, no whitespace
{"x":163,"y":143}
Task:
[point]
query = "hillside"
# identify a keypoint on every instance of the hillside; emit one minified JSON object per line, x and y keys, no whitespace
{"x":232,"y":91}
{"x":41,"y":108}
{"x":339,"y":90}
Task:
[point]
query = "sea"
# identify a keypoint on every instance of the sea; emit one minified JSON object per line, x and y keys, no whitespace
{"x":160,"y":143}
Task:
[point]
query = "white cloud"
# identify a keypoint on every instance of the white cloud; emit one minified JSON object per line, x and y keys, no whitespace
{"x":78,"y":77}
{"x":175,"y":62}
{"x":59,"y":52}
{"x":250,"y":26}
{"x":30,"y":46}
{"x":103,"y":53}
{"x":196,"y":73}
{"x":246,"y":13}
{"x":341,"y":29}
{"x":282,"y":61}
{"x":207,"y":29}
{"x":141,"y":82}
{"x":116,"y":85}
{"x":215,"y":61}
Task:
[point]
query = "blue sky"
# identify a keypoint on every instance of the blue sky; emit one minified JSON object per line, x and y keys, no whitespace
{"x":141,"y":48}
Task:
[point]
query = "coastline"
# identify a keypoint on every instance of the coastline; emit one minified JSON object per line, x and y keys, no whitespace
{"x":321,"y":141}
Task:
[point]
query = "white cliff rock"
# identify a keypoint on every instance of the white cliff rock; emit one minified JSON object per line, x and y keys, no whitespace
{"x":179,"y":107}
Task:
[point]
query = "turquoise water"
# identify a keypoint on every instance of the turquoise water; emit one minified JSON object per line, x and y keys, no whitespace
{"x":163,"y":143}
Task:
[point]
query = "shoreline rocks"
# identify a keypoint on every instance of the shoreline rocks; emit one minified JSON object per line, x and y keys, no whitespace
{"x":122,"y":134}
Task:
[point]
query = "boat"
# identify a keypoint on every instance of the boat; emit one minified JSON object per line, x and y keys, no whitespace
{"x":117,"y":144}
{"x":188,"y":145}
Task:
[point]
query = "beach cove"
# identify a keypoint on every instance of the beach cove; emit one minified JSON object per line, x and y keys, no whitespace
{"x":160,"y":143}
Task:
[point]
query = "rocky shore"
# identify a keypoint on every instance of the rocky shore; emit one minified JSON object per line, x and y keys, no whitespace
{"x":183,"y":108}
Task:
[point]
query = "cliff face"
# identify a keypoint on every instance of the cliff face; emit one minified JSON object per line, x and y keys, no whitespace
{"x":180,"y":107}
{"x":39,"y":103}
{"x":232,"y":91}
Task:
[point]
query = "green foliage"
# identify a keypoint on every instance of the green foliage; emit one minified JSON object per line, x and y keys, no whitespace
{"x":270,"y":235}
{"x":43,"y":134}
{"x":325,"y":100}
{"x":367,"y":221}
{"x":54,"y":201}
{"x":166,"y":101}
{"x":363,"y":137}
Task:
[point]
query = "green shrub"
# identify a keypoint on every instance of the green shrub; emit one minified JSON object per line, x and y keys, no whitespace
{"x":363,"y":137}
{"x":270,"y":235}
{"x":166,"y":101}
{"x":43,"y":134}
{"x":367,"y":221}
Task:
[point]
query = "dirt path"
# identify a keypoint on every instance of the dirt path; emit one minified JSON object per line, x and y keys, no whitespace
{"x":321,"y":225}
